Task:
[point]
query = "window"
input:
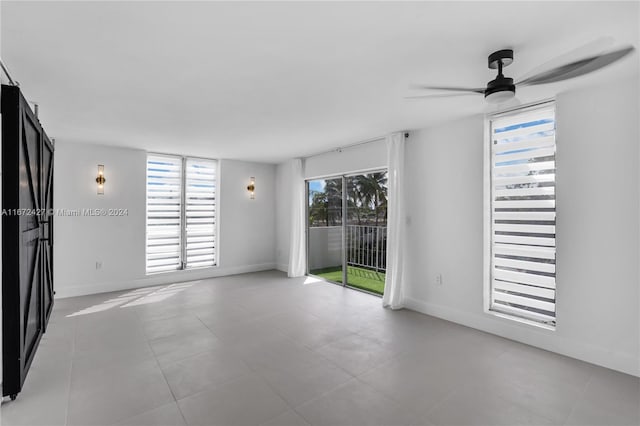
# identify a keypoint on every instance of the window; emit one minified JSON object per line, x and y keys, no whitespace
{"x":522,"y":270}
{"x":200,"y":213}
{"x":181,"y":213}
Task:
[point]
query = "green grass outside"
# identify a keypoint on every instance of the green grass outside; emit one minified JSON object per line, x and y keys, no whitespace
{"x":364,"y":279}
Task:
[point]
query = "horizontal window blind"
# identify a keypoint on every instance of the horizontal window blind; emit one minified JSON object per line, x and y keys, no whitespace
{"x":523,"y":214}
{"x":164,"y":207}
{"x":200,"y":213}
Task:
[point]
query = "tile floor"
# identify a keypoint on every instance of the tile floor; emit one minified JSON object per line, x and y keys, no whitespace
{"x":263,"y":349}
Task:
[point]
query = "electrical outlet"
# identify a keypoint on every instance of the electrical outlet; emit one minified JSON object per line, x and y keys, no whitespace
{"x":439,"y":279}
{"x":98,"y":264}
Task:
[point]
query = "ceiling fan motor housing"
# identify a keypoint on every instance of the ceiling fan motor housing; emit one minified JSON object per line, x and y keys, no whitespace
{"x":500,"y":84}
{"x":501,"y":88}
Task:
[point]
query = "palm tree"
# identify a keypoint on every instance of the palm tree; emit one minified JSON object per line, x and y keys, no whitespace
{"x":380,"y":183}
{"x":366,"y":194}
{"x":333,"y":191}
{"x":318,"y":209}
{"x":354,"y":198}
{"x":373,"y":190}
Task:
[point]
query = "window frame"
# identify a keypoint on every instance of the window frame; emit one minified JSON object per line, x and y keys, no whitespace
{"x":488,"y":229}
{"x":183,"y":205}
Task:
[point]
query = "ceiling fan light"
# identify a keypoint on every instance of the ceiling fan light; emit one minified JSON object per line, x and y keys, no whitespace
{"x":500,"y":96}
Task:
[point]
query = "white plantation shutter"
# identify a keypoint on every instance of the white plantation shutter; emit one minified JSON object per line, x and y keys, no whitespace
{"x":181,"y":213}
{"x":164,"y":200}
{"x":523,"y":214}
{"x":200,"y":213}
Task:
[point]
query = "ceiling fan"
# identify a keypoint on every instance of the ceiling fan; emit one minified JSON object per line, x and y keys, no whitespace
{"x":502,"y":89}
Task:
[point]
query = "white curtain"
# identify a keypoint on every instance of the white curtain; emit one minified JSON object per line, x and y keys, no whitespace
{"x":392,"y":297}
{"x":297,"y":247}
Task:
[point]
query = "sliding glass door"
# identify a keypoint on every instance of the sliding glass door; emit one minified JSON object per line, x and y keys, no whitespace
{"x":324,"y":229}
{"x":347,"y":230}
{"x":366,"y":231}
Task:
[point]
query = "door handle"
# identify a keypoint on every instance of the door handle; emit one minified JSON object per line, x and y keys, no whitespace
{"x":50,"y":228}
{"x":45,"y":230}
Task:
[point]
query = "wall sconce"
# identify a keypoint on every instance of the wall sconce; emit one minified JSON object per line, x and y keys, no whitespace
{"x":252,"y":188}
{"x":100,"y":179}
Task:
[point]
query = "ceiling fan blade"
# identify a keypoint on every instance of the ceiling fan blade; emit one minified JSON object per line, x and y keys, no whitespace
{"x":595,"y":47}
{"x":448,"y":89}
{"x":440,"y":95}
{"x":577,"y":68}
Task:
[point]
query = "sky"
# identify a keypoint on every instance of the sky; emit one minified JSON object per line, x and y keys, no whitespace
{"x":316,"y":185}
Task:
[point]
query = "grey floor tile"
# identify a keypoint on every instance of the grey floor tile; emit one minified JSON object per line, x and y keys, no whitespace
{"x":279,"y":354}
{"x":196,"y":373}
{"x":43,"y":400}
{"x":107,"y":354}
{"x":247,"y":334}
{"x":101,"y":342}
{"x":109,"y":395}
{"x":546,"y":383}
{"x":417,"y":383}
{"x":245,"y":402}
{"x":288,"y":418}
{"x":165,"y":415}
{"x":54,"y":350}
{"x":588,"y":414}
{"x":548,"y":399}
{"x":159,"y":311}
{"x":301,"y":383}
{"x":357,"y":354}
{"x":406,"y":330}
{"x":611,"y":398}
{"x":175,"y":348}
{"x":175,"y":326}
{"x":355,"y":403}
{"x":316,"y":333}
{"x":526,"y":361}
{"x":478,"y":406}
{"x":115,"y":321}
{"x":219,"y":314}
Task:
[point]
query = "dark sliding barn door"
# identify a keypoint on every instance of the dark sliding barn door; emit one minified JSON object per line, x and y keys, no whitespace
{"x":47,"y":220}
{"x":27,"y":246}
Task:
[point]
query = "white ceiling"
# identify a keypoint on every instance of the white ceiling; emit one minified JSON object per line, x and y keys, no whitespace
{"x":269,"y":81}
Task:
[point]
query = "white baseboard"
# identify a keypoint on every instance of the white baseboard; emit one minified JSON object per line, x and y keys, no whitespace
{"x":543,"y":339}
{"x":282,"y":267}
{"x":64,"y":290}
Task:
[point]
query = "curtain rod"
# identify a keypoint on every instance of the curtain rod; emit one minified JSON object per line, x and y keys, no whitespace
{"x":352,"y":145}
{"x":6,"y":72}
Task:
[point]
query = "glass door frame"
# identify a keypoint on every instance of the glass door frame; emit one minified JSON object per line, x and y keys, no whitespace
{"x":343,"y":225}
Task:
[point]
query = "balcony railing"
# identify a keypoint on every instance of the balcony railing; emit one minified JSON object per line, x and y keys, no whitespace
{"x":367,"y":247}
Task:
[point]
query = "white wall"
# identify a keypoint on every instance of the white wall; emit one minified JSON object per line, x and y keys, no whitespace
{"x":368,"y":156}
{"x":597,"y":228}
{"x":247,"y":227}
{"x":246,"y":241}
